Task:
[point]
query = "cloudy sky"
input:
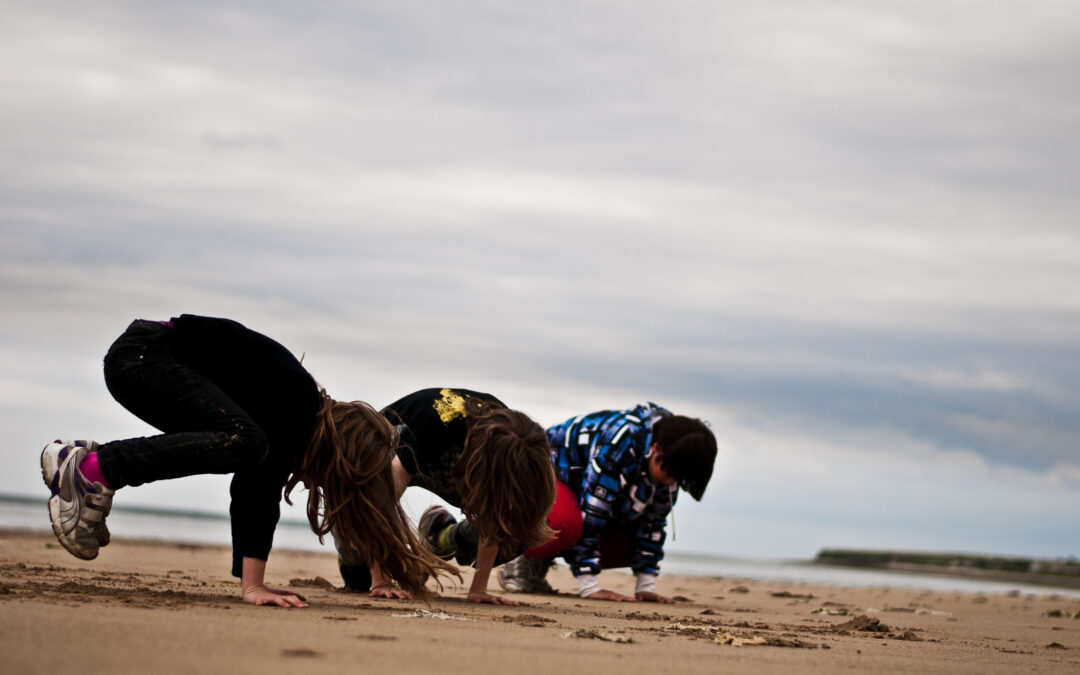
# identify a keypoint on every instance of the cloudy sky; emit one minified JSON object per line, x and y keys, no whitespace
{"x":845,"y":233}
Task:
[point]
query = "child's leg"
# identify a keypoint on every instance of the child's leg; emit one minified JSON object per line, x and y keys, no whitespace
{"x":77,"y":506}
{"x":526,"y":574}
{"x":464,"y":539}
{"x":356,"y":577}
{"x":354,"y":571}
{"x":566,"y":519}
{"x":91,"y":469}
{"x":205,"y":430}
{"x":616,"y":546}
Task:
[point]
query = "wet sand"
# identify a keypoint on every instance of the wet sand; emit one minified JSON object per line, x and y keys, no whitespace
{"x":159,"y":607}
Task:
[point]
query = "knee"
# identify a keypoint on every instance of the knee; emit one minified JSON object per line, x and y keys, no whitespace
{"x":568,"y":524}
{"x":126,"y":357}
{"x":247,"y":443}
{"x":123,"y":368}
{"x":567,"y":529}
{"x":567,"y":532}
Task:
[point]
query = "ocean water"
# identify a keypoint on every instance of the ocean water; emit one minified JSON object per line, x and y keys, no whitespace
{"x":200,"y":528}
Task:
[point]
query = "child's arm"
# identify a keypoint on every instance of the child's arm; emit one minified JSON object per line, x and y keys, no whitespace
{"x":646,"y":589}
{"x":381,"y":587}
{"x":649,"y":537}
{"x":485,"y":560}
{"x":589,"y":587}
{"x":258,"y":593}
{"x":603,"y":486}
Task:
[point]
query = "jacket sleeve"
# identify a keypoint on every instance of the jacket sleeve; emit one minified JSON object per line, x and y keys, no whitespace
{"x":254,"y":511}
{"x":602,"y":487}
{"x":650,"y":534}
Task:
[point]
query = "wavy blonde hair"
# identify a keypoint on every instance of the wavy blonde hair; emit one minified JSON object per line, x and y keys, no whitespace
{"x":346,"y":469}
{"x":505,"y":477}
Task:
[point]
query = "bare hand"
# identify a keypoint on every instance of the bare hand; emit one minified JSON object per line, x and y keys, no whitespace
{"x":610,"y":595}
{"x":485,"y":598}
{"x":265,"y":595}
{"x":649,"y":596}
{"x":389,"y":591}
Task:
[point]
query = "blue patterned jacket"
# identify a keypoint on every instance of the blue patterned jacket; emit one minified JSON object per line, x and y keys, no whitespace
{"x":601,"y":458}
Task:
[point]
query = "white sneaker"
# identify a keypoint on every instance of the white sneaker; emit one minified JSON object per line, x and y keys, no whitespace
{"x":525,"y":575}
{"x":77,"y":506}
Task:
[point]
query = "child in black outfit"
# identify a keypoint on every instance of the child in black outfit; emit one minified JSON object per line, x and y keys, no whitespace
{"x":493,"y":463}
{"x":230,"y":400}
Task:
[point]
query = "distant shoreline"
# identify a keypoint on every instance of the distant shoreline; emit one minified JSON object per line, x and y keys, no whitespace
{"x":1060,"y":572}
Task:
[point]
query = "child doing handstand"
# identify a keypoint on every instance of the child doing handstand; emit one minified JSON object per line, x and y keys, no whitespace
{"x":230,"y":400}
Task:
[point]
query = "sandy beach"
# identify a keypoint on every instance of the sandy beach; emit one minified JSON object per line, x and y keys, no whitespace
{"x":158,"y":607}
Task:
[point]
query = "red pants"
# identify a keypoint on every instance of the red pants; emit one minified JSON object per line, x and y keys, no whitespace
{"x":616,"y":542}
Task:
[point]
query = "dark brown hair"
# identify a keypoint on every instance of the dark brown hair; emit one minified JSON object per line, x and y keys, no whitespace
{"x":347,"y":471}
{"x":687,"y":450}
{"x":505,"y":477}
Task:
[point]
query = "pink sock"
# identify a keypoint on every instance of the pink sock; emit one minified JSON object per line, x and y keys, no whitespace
{"x":91,"y":470}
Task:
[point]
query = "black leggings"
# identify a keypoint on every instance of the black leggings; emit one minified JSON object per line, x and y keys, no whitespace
{"x":205,"y":430}
{"x":464,"y":536}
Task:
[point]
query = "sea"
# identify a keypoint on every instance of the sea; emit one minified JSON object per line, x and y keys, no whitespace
{"x":204,"y":528}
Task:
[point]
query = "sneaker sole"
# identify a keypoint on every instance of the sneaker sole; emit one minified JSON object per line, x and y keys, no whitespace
{"x":50,"y":475}
{"x":50,"y":472}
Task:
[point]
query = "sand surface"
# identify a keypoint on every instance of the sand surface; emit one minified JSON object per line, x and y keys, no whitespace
{"x":145,"y":607}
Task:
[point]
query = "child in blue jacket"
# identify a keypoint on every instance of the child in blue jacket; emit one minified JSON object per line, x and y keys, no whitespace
{"x":622,"y":471}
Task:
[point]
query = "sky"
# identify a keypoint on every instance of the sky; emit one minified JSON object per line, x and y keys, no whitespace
{"x":843,"y":233}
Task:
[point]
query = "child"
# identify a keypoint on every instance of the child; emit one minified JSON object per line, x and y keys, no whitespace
{"x":618,"y":472}
{"x":230,"y":400}
{"x":491,"y":462}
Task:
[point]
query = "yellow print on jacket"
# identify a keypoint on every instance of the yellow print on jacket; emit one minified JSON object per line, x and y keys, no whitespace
{"x":450,"y":406}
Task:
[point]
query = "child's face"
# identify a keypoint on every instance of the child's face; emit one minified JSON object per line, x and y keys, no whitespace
{"x":656,"y":469}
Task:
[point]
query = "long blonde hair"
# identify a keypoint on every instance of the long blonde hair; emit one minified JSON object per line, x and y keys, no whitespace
{"x":347,"y":471}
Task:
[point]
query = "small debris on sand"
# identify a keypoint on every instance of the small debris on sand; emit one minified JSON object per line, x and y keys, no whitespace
{"x":862,"y":623}
{"x":532,"y":620}
{"x":589,"y":634}
{"x":641,"y":616}
{"x":735,"y":641}
{"x":831,"y":611}
{"x":317,"y":582}
{"x":301,"y":652}
{"x":425,"y":614}
{"x":759,"y":640}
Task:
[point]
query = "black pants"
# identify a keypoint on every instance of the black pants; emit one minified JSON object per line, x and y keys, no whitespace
{"x":205,"y":430}
{"x":463,"y":535}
